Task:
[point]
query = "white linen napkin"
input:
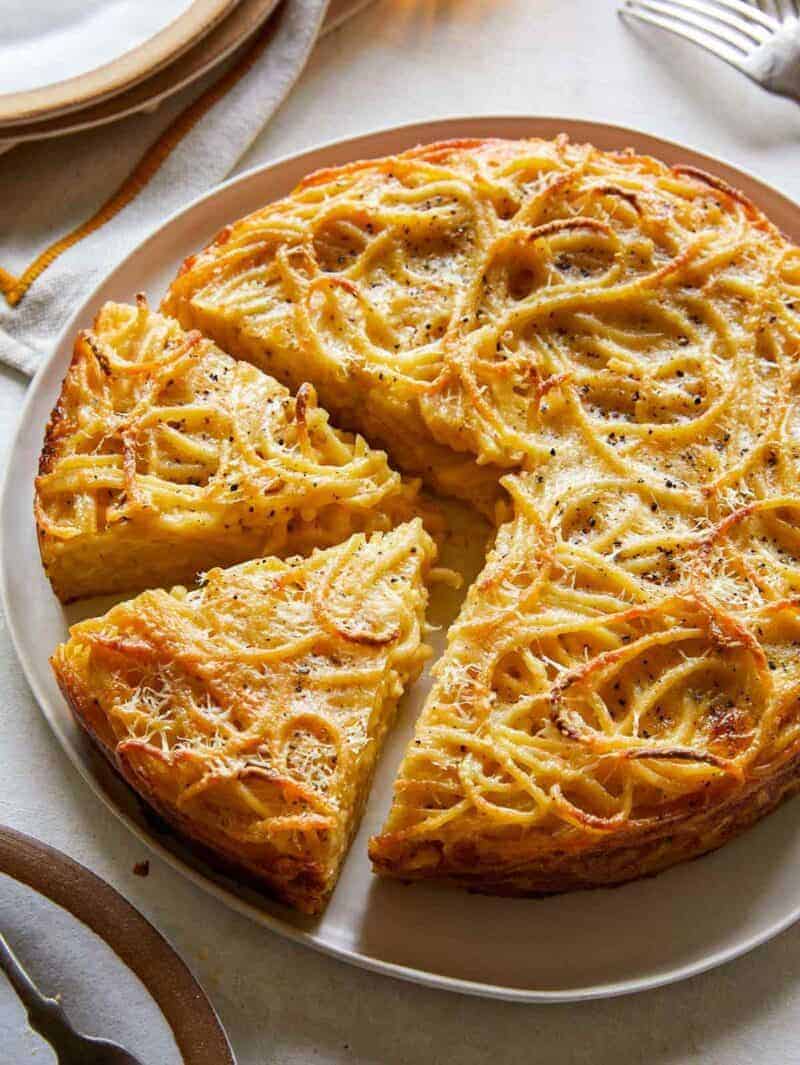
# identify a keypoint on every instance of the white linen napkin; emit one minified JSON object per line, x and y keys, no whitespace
{"x":152,"y":164}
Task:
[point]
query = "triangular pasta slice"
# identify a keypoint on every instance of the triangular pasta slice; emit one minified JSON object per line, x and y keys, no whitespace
{"x":619,"y":693}
{"x":165,"y":457}
{"x":250,"y":712}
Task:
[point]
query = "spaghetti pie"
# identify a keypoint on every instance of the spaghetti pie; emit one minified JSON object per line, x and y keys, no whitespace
{"x":250,"y":712}
{"x":608,"y":347}
{"x":165,"y":457}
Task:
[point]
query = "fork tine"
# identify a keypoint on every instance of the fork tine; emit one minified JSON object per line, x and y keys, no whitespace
{"x":726,"y":13}
{"x":749,"y":11}
{"x":635,"y":9}
{"x":785,"y":9}
{"x":681,"y":19}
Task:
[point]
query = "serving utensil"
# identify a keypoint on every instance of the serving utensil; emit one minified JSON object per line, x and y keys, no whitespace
{"x":763,"y":44}
{"x":47,"y":1017}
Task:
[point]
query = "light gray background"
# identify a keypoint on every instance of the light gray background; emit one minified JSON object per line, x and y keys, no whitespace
{"x":400,"y":61}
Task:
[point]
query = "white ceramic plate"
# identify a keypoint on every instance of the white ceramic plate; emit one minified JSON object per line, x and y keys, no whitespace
{"x":584,"y":945}
{"x":224,"y":38}
{"x":59,"y":55}
{"x":207,"y":52}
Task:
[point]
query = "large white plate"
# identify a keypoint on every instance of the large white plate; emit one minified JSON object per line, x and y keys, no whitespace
{"x":578,"y":946}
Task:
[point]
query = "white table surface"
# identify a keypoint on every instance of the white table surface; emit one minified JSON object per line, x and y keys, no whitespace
{"x":399,"y":61}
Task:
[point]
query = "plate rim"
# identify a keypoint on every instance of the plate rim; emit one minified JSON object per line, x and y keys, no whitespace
{"x":100,"y":907}
{"x":227,"y":36}
{"x":118,"y":74}
{"x":264,"y":917}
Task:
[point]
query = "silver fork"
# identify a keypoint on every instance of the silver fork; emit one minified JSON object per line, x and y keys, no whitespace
{"x":761,"y":41}
{"x":47,"y":1017}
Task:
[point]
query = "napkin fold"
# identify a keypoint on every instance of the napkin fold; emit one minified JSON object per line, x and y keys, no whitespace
{"x":73,"y":207}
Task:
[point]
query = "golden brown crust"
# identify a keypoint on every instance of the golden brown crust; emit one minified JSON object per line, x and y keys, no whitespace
{"x":56,"y":428}
{"x":637,"y":854}
{"x":250,"y":713}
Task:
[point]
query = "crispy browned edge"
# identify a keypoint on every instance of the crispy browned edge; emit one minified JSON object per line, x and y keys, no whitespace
{"x":300,"y":884}
{"x":606,"y":863}
{"x":51,"y":449}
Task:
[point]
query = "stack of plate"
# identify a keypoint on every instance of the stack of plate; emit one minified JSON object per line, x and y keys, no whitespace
{"x":67,"y":65}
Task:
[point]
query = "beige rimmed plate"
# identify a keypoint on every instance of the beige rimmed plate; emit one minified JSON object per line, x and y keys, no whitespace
{"x":51,"y":899}
{"x":231,"y":33}
{"x":570,"y":947}
{"x":202,"y":56}
{"x":58,"y":56}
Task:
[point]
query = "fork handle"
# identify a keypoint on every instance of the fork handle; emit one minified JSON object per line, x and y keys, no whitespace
{"x":777,"y":68}
{"x":45,"y":1014}
{"x":28,"y":992}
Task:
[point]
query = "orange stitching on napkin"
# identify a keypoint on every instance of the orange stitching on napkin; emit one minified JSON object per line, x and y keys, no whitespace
{"x":14,"y":288}
{"x":7,"y":283}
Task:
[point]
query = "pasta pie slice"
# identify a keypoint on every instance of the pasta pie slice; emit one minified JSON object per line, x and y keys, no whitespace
{"x":164,"y":457}
{"x":620,"y":692}
{"x":250,"y":712}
